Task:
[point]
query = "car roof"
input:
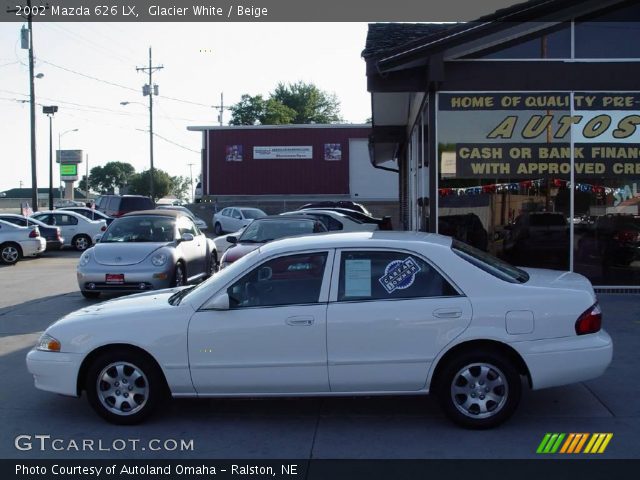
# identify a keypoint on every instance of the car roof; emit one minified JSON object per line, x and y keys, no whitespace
{"x":375,"y":239}
{"x":287,"y":217}
{"x":65,"y":212}
{"x":159,"y":213}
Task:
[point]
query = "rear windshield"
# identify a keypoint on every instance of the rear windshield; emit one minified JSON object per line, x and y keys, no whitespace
{"x":547,"y":220}
{"x":490,"y":264}
{"x":136,"y":203}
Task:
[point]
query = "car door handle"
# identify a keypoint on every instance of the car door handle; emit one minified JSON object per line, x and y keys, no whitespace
{"x":300,"y":321}
{"x":447,"y":313}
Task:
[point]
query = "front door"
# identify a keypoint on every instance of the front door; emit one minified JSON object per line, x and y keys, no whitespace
{"x":273,"y":337}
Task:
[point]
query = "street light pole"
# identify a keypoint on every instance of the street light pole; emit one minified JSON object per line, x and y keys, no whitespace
{"x":49,"y":112}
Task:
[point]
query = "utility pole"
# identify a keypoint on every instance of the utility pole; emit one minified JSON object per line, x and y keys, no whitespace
{"x":27,"y":43}
{"x":220,"y":108}
{"x":151,"y":90}
{"x":191,"y":175}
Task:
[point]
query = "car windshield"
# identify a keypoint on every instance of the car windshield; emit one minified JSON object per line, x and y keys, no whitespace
{"x":490,"y":264}
{"x":252,"y":213}
{"x":267,"y":230}
{"x":140,"y":229}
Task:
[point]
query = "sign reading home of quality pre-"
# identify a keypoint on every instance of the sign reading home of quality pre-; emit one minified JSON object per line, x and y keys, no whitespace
{"x":283,"y":152}
{"x":512,"y":135}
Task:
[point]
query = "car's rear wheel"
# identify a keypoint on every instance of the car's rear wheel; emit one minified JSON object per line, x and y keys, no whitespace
{"x":81,"y":242}
{"x":217,"y":229}
{"x":10,"y":253}
{"x":90,"y":295}
{"x":124,"y":386}
{"x":179,"y":276}
{"x":479,"y":389}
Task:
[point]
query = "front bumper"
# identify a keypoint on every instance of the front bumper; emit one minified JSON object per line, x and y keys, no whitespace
{"x":93,"y":279}
{"x":55,"y":372}
{"x":562,"y":361}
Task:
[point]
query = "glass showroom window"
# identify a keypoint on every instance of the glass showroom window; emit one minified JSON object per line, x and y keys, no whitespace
{"x":505,"y":178}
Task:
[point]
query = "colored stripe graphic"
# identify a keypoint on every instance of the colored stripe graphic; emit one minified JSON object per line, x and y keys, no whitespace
{"x":574,"y":443}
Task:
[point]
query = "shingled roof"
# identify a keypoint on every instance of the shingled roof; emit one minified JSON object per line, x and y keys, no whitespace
{"x":386,"y":37}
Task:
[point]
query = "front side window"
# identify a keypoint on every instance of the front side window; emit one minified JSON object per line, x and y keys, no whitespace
{"x":289,"y":280}
{"x":236,"y":214}
{"x":387,"y":275}
{"x":46,"y":218}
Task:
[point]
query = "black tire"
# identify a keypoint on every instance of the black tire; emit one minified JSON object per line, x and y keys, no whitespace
{"x":466,"y":403}
{"x":137,"y":398}
{"x":10,"y":253}
{"x":81,"y":242}
{"x":213,"y":264}
{"x":179,"y":276}
{"x":217,"y":229}
{"x":90,"y":295}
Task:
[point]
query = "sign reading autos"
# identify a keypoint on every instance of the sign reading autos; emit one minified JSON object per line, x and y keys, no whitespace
{"x":517,"y":135}
{"x":282,"y":152}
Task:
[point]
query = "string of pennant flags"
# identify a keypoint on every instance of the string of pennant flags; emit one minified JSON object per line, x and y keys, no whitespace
{"x":526,"y":185}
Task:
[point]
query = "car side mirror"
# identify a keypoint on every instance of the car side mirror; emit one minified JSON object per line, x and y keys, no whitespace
{"x":187,"y":237}
{"x":232,"y":239}
{"x":219,"y":302}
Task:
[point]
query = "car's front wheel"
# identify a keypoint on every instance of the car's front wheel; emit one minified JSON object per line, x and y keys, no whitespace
{"x":479,"y":390}
{"x":217,"y":229}
{"x":179,"y":276}
{"x":124,"y":386}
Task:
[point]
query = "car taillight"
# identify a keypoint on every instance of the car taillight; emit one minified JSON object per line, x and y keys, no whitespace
{"x":58,"y":234}
{"x":35,"y":233}
{"x":627,"y":236}
{"x":103,"y":228}
{"x":590,"y":321}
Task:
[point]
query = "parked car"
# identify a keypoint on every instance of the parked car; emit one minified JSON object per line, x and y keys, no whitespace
{"x":200,"y":223}
{"x":231,"y":219}
{"x":268,"y":229}
{"x":117,"y":205}
{"x":614,"y":239}
{"x":383,"y":223}
{"x":147,"y":250}
{"x":467,"y":228}
{"x":358,"y":207}
{"x":222,"y":244}
{"x":67,"y":203}
{"x":537,"y":235}
{"x":50,"y":234}
{"x":365,"y":313}
{"x":336,"y":221}
{"x":17,"y":242}
{"x":90,"y":213}
{"x":78,"y":231}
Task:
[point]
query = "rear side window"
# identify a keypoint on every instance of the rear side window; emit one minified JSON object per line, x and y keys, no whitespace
{"x":388,"y":275}
{"x":131,"y":204}
{"x":16,"y":221}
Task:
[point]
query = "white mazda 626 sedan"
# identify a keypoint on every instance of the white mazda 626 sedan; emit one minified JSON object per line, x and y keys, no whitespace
{"x":363,"y":313}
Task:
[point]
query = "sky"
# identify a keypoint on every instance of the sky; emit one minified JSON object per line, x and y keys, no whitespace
{"x":201,"y":60}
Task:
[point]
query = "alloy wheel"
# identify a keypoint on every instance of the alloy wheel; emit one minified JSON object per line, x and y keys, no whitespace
{"x":479,"y":390}
{"x":122,"y":388}
{"x":10,"y":254}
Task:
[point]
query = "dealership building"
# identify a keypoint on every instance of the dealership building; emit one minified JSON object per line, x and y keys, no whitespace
{"x":520,"y":130}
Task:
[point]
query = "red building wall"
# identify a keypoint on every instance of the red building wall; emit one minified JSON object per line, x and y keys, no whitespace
{"x":315,"y":176}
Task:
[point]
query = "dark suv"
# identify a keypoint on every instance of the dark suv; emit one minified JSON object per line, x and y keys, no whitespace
{"x":614,"y":239}
{"x":117,"y":205}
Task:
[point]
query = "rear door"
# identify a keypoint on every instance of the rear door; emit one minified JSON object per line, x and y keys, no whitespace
{"x":390,"y":313}
{"x":68,"y":226}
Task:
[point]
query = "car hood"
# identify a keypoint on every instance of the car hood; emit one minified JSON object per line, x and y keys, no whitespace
{"x":124,"y":253}
{"x":239,"y":250}
{"x":540,"y":277}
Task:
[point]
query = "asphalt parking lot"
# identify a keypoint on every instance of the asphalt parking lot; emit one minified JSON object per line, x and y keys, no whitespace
{"x":36,"y":292}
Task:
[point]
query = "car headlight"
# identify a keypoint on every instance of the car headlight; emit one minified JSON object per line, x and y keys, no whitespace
{"x":48,"y":344}
{"x":159,"y":259}
{"x":84,"y":259}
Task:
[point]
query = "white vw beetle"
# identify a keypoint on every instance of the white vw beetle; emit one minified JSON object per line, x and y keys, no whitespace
{"x":366,"y":313}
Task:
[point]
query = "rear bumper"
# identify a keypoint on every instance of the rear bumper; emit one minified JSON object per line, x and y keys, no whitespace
{"x":55,"y":371}
{"x":562,"y":361}
{"x":55,"y":244}
{"x":31,"y":248}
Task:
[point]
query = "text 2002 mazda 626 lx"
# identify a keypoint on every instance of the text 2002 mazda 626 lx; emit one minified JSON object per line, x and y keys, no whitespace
{"x":343,"y":314}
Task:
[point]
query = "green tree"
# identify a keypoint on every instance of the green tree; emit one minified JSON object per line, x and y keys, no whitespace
{"x":139,"y":184}
{"x":311,"y":104}
{"x":111,"y":175}
{"x":293,"y":103}
{"x":180,"y":187}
